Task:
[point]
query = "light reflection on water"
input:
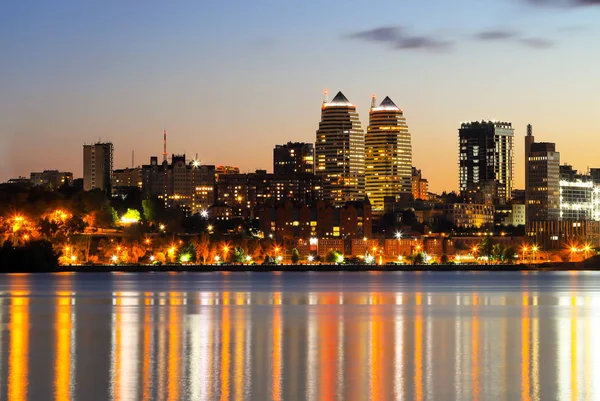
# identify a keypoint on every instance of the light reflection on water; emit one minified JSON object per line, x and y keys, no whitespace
{"x":350,"y":336}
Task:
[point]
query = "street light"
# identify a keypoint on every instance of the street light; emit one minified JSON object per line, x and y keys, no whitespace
{"x":524,"y":250}
{"x":573,"y":250}
{"x":310,"y":258}
{"x":586,"y":249}
{"x":534,"y":249}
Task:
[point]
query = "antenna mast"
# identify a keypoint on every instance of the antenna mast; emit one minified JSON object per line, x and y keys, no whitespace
{"x":325,"y":96}
{"x":373,"y":101}
{"x":165,"y":146}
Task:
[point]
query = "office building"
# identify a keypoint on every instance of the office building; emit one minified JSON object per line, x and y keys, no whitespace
{"x":97,"y":166}
{"x":293,"y":158}
{"x":486,"y":160}
{"x":388,"y":155}
{"x":578,"y":196}
{"x":339,"y":151}
{"x":542,"y":162}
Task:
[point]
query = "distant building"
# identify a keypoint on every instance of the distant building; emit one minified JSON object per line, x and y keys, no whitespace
{"x":52,"y":179}
{"x":340,"y":152}
{"x":97,"y":166}
{"x":579,"y":199}
{"x":24,"y":181}
{"x":560,"y":235}
{"x":542,"y":174}
{"x":287,"y":220}
{"x":294,"y":158}
{"x":420,"y":186}
{"x":189,"y":186}
{"x":388,"y":155}
{"x":221,"y":170}
{"x":127,"y":178}
{"x":466,"y":215}
{"x":510,"y":215}
{"x":486,"y":160}
{"x":243,"y":192}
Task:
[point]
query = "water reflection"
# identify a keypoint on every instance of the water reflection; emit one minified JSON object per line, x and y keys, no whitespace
{"x":176,"y":339}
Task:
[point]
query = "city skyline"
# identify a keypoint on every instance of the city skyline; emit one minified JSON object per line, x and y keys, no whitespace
{"x":135,"y":71}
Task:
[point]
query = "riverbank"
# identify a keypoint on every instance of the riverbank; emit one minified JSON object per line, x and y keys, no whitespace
{"x":565,"y":266}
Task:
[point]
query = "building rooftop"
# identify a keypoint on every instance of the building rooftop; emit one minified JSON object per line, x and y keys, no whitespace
{"x":387,"y":104}
{"x":339,"y":100}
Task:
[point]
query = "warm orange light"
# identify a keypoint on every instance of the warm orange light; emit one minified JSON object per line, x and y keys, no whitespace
{"x":573,"y":249}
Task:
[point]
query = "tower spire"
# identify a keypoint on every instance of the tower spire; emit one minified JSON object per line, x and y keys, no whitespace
{"x":165,"y":145}
{"x":325,"y":96}
{"x":373,"y":100}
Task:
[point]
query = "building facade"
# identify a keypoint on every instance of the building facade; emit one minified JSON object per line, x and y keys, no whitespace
{"x":388,"y":155}
{"x":287,"y":220}
{"x":97,"y":166}
{"x":579,"y":197}
{"x":486,"y":160}
{"x":294,"y":158}
{"x":339,"y":152}
{"x":243,"y":192}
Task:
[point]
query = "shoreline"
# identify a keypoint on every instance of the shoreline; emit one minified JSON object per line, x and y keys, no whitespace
{"x":565,"y":266}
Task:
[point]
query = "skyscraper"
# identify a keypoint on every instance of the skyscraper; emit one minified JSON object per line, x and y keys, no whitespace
{"x":339,"y":151}
{"x":293,"y":158}
{"x":542,"y":174}
{"x":97,"y":166}
{"x":388,"y":155}
{"x":486,"y":160}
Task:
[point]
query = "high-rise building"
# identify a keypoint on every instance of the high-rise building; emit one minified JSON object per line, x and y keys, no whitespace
{"x":388,"y":155}
{"x":542,"y":163}
{"x":293,"y":158}
{"x":97,"y":166}
{"x":486,"y":160}
{"x":340,"y":152}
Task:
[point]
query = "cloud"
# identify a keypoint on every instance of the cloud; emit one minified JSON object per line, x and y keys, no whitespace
{"x":495,"y":35}
{"x":512,"y":36}
{"x":563,"y":3}
{"x":397,"y":38}
{"x":536,"y":43}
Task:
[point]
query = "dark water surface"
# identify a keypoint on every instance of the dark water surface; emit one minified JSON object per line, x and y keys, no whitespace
{"x":300,"y":336}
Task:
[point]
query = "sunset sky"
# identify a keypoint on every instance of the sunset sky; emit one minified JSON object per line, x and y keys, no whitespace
{"x":230,"y":79}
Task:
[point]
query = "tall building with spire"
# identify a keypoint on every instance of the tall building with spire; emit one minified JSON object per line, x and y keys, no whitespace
{"x":388,"y":155}
{"x":339,"y":151}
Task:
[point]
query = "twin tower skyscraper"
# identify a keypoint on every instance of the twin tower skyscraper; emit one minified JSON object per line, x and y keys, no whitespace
{"x":353,"y":164}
